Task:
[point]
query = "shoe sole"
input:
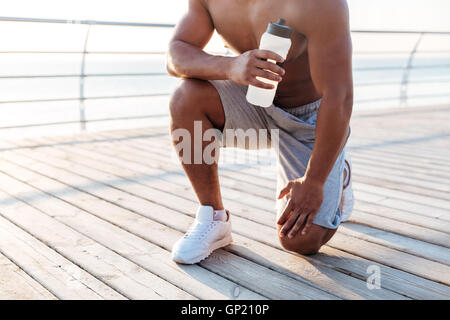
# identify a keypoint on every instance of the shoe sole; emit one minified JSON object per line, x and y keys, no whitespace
{"x":216,"y":245}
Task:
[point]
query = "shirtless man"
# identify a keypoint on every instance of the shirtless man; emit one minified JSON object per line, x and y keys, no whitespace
{"x":312,"y":111}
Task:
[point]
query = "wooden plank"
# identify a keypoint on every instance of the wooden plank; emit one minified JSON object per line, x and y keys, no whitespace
{"x":413,"y":178}
{"x":399,"y":242}
{"x":15,"y":284}
{"x":433,"y":157}
{"x":376,"y":179}
{"x":400,"y":162}
{"x":401,"y":228}
{"x":403,"y":205}
{"x":428,"y":271}
{"x":205,"y":285}
{"x":289,"y":288}
{"x":399,"y":215}
{"x":60,"y":276}
{"x":119,"y":273}
{"x":416,"y":198}
{"x":386,"y":135}
{"x":405,"y":283}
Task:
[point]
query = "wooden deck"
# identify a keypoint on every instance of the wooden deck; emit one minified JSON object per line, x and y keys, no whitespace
{"x":94,"y":216}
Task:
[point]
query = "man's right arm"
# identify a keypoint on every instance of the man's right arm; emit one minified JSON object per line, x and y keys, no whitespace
{"x":187,"y":59}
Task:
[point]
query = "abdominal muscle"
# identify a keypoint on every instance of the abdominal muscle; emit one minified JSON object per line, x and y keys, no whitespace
{"x":291,"y":94}
{"x":296,"y":89}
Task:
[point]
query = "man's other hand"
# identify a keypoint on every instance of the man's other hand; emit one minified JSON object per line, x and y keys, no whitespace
{"x":306,"y":197}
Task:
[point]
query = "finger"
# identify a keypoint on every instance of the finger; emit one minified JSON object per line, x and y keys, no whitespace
{"x":266,"y":74}
{"x":289,"y":223}
{"x":267,"y":54}
{"x":257,"y":83}
{"x":298,"y":224}
{"x":308,"y":224}
{"x":266,"y":65}
{"x":285,"y":191}
{"x":286,"y":212}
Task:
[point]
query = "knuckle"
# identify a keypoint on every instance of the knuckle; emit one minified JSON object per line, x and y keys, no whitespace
{"x":269,"y":75}
{"x":273,"y":68}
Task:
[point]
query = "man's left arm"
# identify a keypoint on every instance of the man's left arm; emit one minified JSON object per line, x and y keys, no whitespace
{"x":330,"y":50}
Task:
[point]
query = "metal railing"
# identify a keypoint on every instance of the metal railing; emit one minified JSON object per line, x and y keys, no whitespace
{"x":81,"y":98}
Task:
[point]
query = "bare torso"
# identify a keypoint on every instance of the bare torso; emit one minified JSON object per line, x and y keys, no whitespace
{"x":241,"y":24}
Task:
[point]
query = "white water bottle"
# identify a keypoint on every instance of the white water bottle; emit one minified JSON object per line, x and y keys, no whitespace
{"x":277,"y":38}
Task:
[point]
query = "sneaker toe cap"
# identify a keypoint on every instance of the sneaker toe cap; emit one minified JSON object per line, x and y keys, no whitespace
{"x":185,"y":253}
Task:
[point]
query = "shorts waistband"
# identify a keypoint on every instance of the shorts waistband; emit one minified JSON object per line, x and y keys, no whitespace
{"x":305,"y":109}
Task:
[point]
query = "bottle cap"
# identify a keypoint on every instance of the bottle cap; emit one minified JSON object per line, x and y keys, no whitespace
{"x":279,"y":29}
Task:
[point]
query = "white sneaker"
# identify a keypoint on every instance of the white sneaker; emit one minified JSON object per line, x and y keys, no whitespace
{"x":203,"y":237}
{"x":347,"y":199}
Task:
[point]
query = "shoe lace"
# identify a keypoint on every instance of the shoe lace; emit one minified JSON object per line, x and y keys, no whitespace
{"x":198,"y":231}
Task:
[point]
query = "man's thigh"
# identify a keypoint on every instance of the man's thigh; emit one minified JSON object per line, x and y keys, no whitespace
{"x":246,"y":126}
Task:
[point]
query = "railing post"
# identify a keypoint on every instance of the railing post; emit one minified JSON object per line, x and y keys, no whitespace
{"x":82,"y":78}
{"x":405,"y":78}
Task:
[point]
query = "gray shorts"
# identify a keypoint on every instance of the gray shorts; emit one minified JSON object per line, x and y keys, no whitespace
{"x":296,"y":136}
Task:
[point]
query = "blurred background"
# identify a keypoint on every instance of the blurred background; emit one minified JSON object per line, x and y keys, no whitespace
{"x":72,"y":65}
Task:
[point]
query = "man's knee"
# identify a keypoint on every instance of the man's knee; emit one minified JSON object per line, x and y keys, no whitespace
{"x":307,"y":244}
{"x":183,"y":98}
{"x":190,"y":98}
{"x":304,"y":247}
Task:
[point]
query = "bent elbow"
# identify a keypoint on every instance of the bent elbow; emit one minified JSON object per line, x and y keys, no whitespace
{"x":171,"y":70}
{"x":171,"y":67}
